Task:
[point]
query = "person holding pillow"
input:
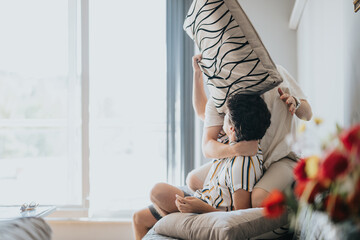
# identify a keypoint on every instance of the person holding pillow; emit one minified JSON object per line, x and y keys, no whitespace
{"x":279,"y":159}
{"x":285,"y":103}
{"x":229,"y":182}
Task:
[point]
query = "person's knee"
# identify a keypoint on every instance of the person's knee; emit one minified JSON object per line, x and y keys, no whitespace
{"x":137,"y":218}
{"x":257,"y":197}
{"x":158,"y":193}
{"x":193,"y":182}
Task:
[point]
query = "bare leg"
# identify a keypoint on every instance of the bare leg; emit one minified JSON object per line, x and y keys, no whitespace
{"x":257,"y":197}
{"x":241,"y":199}
{"x":143,"y":220}
{"x":196,"y":178}
{"x":163,"y":197}
{"x":271,"y":180}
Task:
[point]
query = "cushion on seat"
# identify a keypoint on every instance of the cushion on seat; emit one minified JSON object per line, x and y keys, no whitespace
{"x":241,"y":224}
{"x":29,"y":228}
{"x":233,"y":56}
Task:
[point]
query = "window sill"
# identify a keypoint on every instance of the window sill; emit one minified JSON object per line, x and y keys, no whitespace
{"x":88,"y":220}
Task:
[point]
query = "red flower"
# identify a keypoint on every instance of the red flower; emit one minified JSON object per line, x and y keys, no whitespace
{"x":308,"y":190}
{"x":274,"y":204}
{"x":299,"y":188}
{"x":351,"y":137}
{"x":334,"y":165}
{"x":313,"y":188}
{"x":306,"y":169}
{"x":336,"y":207}
{"x":299,"y":171}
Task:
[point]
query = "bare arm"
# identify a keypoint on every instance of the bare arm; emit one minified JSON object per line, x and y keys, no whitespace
{"x":193,"y":205}
{"x":199,"y":95}
{"x":214,"y":149}
{"x":241,"y":199}
{"x":304,"y":112}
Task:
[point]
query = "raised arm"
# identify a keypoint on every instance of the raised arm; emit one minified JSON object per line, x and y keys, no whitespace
{"x":214,"y":149}
{"x":199,"y":95}
{"x":210,"y":146}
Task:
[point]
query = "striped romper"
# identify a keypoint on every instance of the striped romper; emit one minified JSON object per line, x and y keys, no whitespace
{"x":228,"y":175}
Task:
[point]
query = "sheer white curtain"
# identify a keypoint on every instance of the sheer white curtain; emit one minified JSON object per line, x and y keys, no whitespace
{"x":127,"y":103}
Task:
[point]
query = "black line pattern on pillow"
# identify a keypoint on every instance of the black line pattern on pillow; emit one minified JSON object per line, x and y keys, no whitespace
{"x":229,"y":62}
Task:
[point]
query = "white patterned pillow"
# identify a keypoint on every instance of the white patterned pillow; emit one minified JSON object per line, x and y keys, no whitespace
{"x":234,"y":58}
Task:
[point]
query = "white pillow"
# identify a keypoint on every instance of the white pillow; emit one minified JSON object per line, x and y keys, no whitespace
{"x":234,"y":57}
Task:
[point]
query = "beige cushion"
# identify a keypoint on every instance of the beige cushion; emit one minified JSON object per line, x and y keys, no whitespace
{"x":234,"y":57}
{"x":241,"y":224}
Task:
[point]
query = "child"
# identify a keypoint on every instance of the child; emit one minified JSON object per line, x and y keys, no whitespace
{"x":229,"y":182}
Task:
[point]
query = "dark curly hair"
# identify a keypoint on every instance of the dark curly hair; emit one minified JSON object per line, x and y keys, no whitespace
{"x":249,"y":115}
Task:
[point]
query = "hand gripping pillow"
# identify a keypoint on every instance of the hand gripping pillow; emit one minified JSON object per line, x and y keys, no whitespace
{"x":233,"y":57}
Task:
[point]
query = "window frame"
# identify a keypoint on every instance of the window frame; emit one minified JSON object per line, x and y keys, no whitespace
{"x":75,"y":8}
{"x":180,"y":49}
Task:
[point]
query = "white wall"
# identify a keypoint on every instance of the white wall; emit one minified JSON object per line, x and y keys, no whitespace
{"x":320,"y":64}
{"x":271,"y":20}
{"x":351,"y":57}
{"x":328,"y":41}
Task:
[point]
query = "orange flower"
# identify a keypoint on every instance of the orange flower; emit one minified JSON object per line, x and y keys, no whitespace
{"x":274,"y":204}
{"x":299,"y":188}
{"x":351,"y":137}
{"x":312,"y":167}
{"x":336,"y":207}
{"x":306,"y":168}
{"x":334,"y":165}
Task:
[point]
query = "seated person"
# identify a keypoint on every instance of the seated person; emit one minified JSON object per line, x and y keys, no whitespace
{"x":284,"y":103}
{"x":230,"y":181}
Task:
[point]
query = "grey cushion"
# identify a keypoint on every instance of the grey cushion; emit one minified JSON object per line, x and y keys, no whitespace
{"x":28,"y":228}
{"x":241,"y":224}
{"x":152,"y":235}
{"x":234,"y":57}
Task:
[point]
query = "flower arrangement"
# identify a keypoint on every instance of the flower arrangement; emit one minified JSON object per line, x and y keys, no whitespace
{"x":329,"y":183}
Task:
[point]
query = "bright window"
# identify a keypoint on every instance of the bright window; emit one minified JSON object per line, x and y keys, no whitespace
{"x":42,"y":113}
{"x":127,"y":102}
{"x":40,"y":152}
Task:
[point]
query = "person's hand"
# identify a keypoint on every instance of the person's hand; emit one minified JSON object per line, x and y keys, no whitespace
{"x":288,"y":100}
{"x":190,"y":204}
{"x":196,"y":59}
{"x":245,"y":148}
